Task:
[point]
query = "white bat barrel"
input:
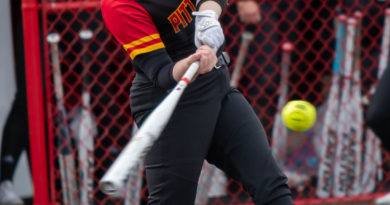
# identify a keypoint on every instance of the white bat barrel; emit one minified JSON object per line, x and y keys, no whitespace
{"x":113,"y":181}
{"x":279,"y":133}
{"x":328,"y":136}
{"x":342,"y":187}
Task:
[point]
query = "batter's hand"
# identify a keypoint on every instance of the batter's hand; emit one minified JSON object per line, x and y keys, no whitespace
{"x":208,"y":30}
{"x":206,"y":57}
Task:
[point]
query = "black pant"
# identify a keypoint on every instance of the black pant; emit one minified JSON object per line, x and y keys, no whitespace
{"x":16,"y":133}
{"x":378,"y":116}
{"x":225,"y":131}
{"x":15,"y":139}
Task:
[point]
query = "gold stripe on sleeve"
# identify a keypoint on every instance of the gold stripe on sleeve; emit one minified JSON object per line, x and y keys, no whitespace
{"x":147,"y":49}
{"x":141,"y":41}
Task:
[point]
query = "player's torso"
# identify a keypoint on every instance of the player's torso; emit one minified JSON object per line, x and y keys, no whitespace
{"x":175,"y":24}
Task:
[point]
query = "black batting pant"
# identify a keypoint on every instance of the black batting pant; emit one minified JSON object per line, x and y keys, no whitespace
{"x":226,"y":132}
{"x":378,"y":112}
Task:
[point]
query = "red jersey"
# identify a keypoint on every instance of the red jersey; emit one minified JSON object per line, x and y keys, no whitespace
{"x":144,"y":26}
{"x":156,"y":34}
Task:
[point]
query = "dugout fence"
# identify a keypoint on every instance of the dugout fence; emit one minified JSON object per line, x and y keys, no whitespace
{"x":66,"y":167}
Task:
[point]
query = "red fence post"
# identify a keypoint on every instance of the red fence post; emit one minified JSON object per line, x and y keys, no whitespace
{"x":35,"y":102}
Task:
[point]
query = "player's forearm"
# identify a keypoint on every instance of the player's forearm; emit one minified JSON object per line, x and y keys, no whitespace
{"x":211,"y":5}
{"x":219,"y":5}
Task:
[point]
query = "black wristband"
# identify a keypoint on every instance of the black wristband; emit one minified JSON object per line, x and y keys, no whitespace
{"x":222,"y":3}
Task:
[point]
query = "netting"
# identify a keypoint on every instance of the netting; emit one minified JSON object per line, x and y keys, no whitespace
{"x":96,"y":75}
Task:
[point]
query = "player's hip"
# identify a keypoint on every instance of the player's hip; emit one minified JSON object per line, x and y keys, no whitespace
{"x":144,"y":97}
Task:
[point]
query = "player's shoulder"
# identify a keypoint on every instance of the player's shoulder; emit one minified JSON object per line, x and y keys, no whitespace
{"x":120,"y":12}
{"x":127,"y":6}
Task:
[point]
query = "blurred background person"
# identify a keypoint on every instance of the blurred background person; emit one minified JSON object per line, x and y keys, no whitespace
{"x":249,"y":11}
{"x":15,"y":136}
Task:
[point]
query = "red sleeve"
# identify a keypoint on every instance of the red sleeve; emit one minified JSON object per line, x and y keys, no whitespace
{"x":132,"y":26}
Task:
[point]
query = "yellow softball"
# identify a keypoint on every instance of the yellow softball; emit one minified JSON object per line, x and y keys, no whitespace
{"x":299,"y":115}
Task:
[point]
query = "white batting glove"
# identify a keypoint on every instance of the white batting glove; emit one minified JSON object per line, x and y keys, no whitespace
{"x":208,"y":30}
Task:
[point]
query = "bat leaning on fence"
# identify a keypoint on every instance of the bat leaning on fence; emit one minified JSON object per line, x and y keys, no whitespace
{"x":148,"y":133}
{"x":356,"y":123}
{"x":369,"y":165}
{"x":236,"y":74}
{"x":328,"y":135}
{"x":347,"y":161}
{"x":279,"y":133}
{"x":86,"y":126}
{"x":64,"y":140}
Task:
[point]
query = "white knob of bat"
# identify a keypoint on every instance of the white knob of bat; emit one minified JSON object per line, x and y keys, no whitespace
{"x":85,"y":34}
{"x":53,"y":38}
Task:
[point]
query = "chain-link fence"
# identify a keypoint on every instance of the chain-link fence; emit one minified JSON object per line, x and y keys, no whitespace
{"x":91,"y":122}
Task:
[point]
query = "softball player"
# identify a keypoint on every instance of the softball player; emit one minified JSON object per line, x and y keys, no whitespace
{"x":212,"y":120}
